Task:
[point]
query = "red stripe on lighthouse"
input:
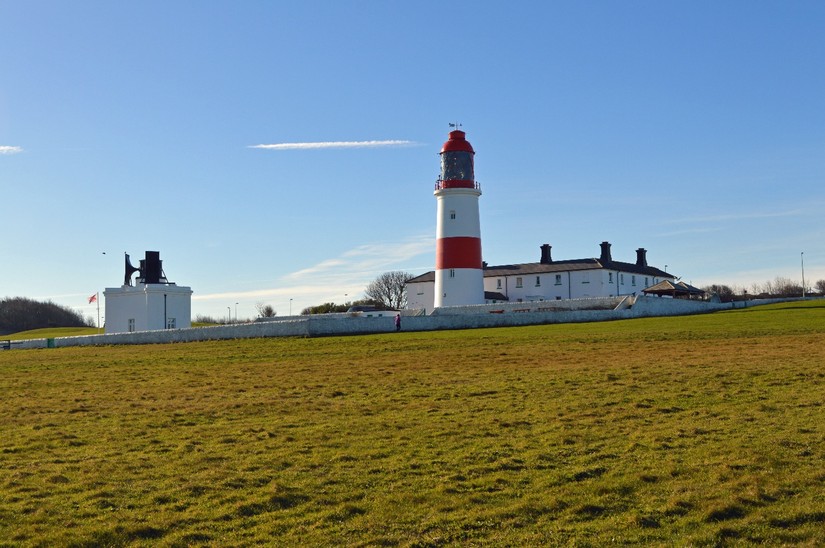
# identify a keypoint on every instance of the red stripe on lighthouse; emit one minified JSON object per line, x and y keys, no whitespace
{"x":458,"y":252}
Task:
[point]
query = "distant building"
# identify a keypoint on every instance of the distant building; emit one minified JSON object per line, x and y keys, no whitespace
{"x":152,"y":303}
{"x":548,"y":280}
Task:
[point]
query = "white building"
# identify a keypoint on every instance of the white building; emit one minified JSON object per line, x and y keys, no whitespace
{"x":548,"y":280}
{"x":153,"y":303}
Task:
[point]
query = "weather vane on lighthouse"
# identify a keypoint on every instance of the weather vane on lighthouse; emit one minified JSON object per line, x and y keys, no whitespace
{"x":455,"y":125}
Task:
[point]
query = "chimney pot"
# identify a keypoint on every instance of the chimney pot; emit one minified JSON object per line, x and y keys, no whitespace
{"x":641,"y":257}
{"x":605,"y":257}
{"x":545,"y":254}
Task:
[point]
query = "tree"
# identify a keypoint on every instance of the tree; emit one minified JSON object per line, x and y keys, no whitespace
{"x":389,"y":289}
{"x":265,"y":310}
{"x":326,"y":308}
{"x":22,"y":314}
{"x":820,"y":286}
{"x":725,"y":292}
{"x":785,"y":287}
{"x":332,"y":308}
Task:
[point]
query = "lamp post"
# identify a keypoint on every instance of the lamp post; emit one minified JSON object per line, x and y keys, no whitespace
{"x":290,"y":307}
{"x":228,"y":314}
{"x":236,"y":312}
{"x":802,"y":259}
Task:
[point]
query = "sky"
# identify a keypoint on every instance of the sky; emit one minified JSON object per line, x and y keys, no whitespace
{"x":285,"y":152}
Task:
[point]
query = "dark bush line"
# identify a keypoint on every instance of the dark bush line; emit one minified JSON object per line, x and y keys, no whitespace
{"x":22,"y":314}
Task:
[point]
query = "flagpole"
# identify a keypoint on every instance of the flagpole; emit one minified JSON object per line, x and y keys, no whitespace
{"x":98,"y":310}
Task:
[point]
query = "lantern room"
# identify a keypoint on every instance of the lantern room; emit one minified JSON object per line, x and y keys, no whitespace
{"x":457,"y":162}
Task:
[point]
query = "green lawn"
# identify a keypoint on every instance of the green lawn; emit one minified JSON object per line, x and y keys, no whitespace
{"x":701,"y":430}
{"x":51,"y":333}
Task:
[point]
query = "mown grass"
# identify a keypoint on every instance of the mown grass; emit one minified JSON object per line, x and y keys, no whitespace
{"x":51,"y":333}
{"x":55,"y":332}
{"x":703,"y":430}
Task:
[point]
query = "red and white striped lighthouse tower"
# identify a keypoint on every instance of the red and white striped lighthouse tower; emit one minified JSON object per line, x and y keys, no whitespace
{"x":459,"y":279}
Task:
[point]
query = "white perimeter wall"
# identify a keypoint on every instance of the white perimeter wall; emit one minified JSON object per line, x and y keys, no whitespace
{"x":345,"y":324}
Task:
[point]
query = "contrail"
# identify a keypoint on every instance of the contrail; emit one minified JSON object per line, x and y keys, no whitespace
{"x":335,"y":144}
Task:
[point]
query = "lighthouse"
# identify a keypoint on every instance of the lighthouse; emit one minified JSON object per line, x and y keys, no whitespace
{"x":459,"y":278}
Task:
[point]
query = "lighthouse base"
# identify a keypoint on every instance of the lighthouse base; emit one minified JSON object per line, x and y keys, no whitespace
{"x":458,"y":287}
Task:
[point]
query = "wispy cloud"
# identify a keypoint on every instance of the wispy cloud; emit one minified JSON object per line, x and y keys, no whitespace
{"x":685,"y":232}
{"x":740,"y":216}
{"x":331,"y":279}
{"x":335,"y":144}
{"x":367,"y":260}
{"x":6,"y":149}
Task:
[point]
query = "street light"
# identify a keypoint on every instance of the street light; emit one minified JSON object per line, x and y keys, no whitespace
{"x":236,"y":312}
{"x":802,"y":259}
{"x":290,"y":307}
{"x":229,"y":314}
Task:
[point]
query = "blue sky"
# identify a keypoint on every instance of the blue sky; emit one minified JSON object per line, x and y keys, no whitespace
{"x":695,"y":130}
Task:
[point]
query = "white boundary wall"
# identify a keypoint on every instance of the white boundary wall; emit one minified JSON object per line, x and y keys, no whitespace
{"x":495,"y":315}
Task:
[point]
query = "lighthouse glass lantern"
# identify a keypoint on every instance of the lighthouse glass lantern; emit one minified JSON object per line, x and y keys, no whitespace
{"x":457,"y":166}
{"x":457,"y":162}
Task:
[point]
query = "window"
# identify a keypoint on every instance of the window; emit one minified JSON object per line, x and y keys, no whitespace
{"x":585,"y":277}
{"x":498,"y":283}
{"x":518,"y":282}
{"x":646,"y":284}
{"x":610,"y":277}
{"x":452,"y":273}
{"x":538,"y":281}
{"x":452,"y":214}
{"x":633,"y":280}
{"x":558,"y":279}
{"x":131,"y":324}
{"x":457,"y":166}
{"x":622,"y":278}
{"x":170,"y":323}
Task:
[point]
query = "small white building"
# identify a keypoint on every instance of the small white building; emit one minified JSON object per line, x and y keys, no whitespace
{"x":152,"y":303}
{"x":549,"y":280}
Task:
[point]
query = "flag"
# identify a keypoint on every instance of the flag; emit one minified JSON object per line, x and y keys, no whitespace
{"x":93,"y":298}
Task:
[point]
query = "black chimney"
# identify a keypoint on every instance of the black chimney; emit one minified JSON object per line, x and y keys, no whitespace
{"x":606,"y":258}
{"x":545,"y":254}
{"x":641,"y":257}
{"x":151,"y":269}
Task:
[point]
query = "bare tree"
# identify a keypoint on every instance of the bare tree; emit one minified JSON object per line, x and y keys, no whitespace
{"x":389,"y":289}
{"x":820,"y":286}
{"x":265,"y":310}
{"x":724,"y":292}
{"x":785,"y":287}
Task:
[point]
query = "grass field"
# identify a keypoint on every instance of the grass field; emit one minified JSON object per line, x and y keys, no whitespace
{"x":51,"y":333}
{"x":54,"y":332}
{"x":703,"y":430}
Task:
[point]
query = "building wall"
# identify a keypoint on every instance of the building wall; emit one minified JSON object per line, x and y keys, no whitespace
{"x":580,"y":284}
{"x":421,"y":296}
{"x":145,"y":304}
